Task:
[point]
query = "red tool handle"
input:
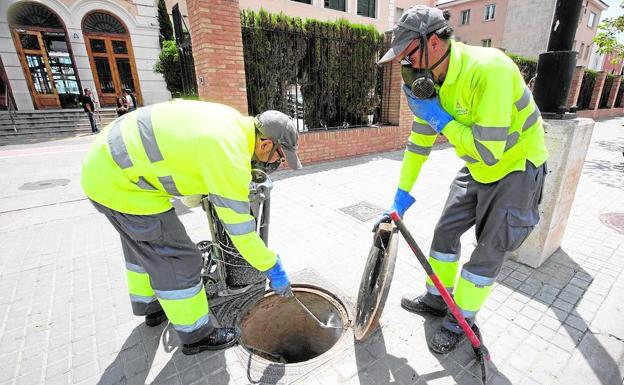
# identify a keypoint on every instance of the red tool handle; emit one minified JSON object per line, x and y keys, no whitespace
{"x":474,"y":340}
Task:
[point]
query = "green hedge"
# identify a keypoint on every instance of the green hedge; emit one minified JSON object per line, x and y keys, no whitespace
{"x":330,"y":65}
{"x":528,"y":66}
{"x":587,"y":87}
{"x":606,"y":90}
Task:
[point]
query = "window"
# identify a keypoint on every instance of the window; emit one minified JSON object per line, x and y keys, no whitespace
{"x":465,"y":17}
{"x":591,"y":20}
{"x":366,"y":8}
{"x":398,"y":12}
{"x":338,"y":5}
{"x":587,"y":51}
{"x":486,"y":42}
{"x":581,"y":50}
{"x":490,"y":11}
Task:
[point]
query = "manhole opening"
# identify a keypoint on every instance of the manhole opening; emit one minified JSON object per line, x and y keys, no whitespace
{"x":279,"y":330}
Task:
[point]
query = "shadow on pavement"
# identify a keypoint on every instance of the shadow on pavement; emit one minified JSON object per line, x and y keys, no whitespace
{"x":559,"y":283}
{"x":153,"y":356}
{"x":389,"y":369}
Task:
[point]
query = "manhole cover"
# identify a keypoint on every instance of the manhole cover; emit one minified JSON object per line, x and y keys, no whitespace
{"x":363,"y":211}
{"x":614,"y":221}
{"x":44,"y":184}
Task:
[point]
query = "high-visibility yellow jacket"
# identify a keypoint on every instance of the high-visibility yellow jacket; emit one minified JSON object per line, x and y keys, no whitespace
{"x":497,"y":125}
{"x":142,"y":159}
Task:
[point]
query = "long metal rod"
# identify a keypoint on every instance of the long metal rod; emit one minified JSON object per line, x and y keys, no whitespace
{"x":321,"y":324}
{"x":481,"y":352}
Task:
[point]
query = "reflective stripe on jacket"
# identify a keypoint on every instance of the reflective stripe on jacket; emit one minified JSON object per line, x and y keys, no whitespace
{"x":142,"y":159}
{"x":497,"y":125}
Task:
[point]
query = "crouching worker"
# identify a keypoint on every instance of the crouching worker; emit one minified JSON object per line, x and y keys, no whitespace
{"x":183,"y":148}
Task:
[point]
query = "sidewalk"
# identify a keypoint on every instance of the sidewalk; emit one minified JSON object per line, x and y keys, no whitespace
{"x":65,"y":317}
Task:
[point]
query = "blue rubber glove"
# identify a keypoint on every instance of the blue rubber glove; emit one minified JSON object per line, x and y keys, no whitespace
{"x":402,"y":201}
{"x":429,"y":110}
{"x":279,"y":280}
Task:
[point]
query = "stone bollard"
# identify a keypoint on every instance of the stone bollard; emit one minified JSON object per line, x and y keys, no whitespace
{"x":567,"y":141}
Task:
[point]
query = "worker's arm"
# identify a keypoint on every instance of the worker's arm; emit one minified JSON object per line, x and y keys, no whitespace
{"x":229,"y":193}
{"x":419,"y":144}
{"x":492,"y":102}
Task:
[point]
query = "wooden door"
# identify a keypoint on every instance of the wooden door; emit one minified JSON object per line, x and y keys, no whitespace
{"x":34,"y":60}
{"x":112,"y":63}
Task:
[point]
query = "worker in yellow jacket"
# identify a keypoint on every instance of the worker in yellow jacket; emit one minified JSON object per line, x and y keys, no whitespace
{"x":477,"y":98}
{"x":181,"y":148}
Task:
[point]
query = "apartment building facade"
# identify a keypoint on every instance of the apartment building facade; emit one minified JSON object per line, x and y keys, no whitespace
{"x":521,"y":27}
{"x":52,"y":49}
{"x":383,"y":14}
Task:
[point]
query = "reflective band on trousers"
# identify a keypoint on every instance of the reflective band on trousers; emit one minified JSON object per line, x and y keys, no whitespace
{"x":472,"y":291}
{"x":240,"y":228}
{"x":185,"y":308}
{"x":139,"y":284}
{"x":445,"y":270}
{"x":416,"y":149}
{"x":239,"y":207}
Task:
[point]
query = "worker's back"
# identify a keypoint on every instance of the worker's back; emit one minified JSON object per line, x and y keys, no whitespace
{"x":175,"y":148}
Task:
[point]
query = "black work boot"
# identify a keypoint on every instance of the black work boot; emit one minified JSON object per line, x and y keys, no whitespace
{"x":424,"y":303}
{"x":155,"y":319}
{"x":449,"y":336}
{"x":445,"y":341}
{"x":220,"y":338}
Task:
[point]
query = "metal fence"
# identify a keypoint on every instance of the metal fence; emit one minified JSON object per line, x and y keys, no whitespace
{"x":185,"y":49}
{"x":324,"y":82}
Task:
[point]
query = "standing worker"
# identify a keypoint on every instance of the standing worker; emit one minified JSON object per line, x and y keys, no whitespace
{"x":183,"y":148}
{"x":477,"y":98}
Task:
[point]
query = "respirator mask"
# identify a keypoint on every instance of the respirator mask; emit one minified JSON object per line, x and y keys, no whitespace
{"x":421,"y":81}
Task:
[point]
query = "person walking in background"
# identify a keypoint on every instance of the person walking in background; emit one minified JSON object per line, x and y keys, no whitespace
{"x":89,"y":108}
{"x":130,"y":100}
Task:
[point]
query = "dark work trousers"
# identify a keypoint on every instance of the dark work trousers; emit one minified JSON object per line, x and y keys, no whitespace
{"x":159,"y":246}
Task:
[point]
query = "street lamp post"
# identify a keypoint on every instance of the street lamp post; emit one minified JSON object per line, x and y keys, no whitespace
{"x":555,"y":67}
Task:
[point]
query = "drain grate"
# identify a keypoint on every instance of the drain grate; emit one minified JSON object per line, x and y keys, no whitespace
{"x":44,"y":184}
{"x":614,"y":221}
{"x":363,"y":211}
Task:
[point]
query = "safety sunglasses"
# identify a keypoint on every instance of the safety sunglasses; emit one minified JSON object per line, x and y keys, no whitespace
{"x":406,"y":60}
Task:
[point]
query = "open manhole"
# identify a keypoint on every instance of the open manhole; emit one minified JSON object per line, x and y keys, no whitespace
{"x":44,"y":184}
{"x":279,"y":330}
{"x":614,"y":221}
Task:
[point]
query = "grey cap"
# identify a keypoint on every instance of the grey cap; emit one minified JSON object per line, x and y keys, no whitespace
{"x":281,"y":129}
{"x":417,"y":21}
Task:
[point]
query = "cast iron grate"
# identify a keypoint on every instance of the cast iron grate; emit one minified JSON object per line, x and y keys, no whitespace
{"x":614,"y":221}
{"x":363,"y":211}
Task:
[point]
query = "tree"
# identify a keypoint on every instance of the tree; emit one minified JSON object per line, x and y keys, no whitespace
{"x":607,"y":36}
{"x":168,"y":64}
{"x":166,"y":29}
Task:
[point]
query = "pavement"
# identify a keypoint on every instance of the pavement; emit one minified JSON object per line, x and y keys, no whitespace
{"x":65,"y":317}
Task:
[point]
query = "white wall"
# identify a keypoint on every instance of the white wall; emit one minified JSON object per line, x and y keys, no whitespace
{"x":143,"y":30}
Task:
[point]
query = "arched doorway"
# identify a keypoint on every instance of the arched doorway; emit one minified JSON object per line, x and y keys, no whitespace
{"x":111,"y":56}
{"x":41,"y":43}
